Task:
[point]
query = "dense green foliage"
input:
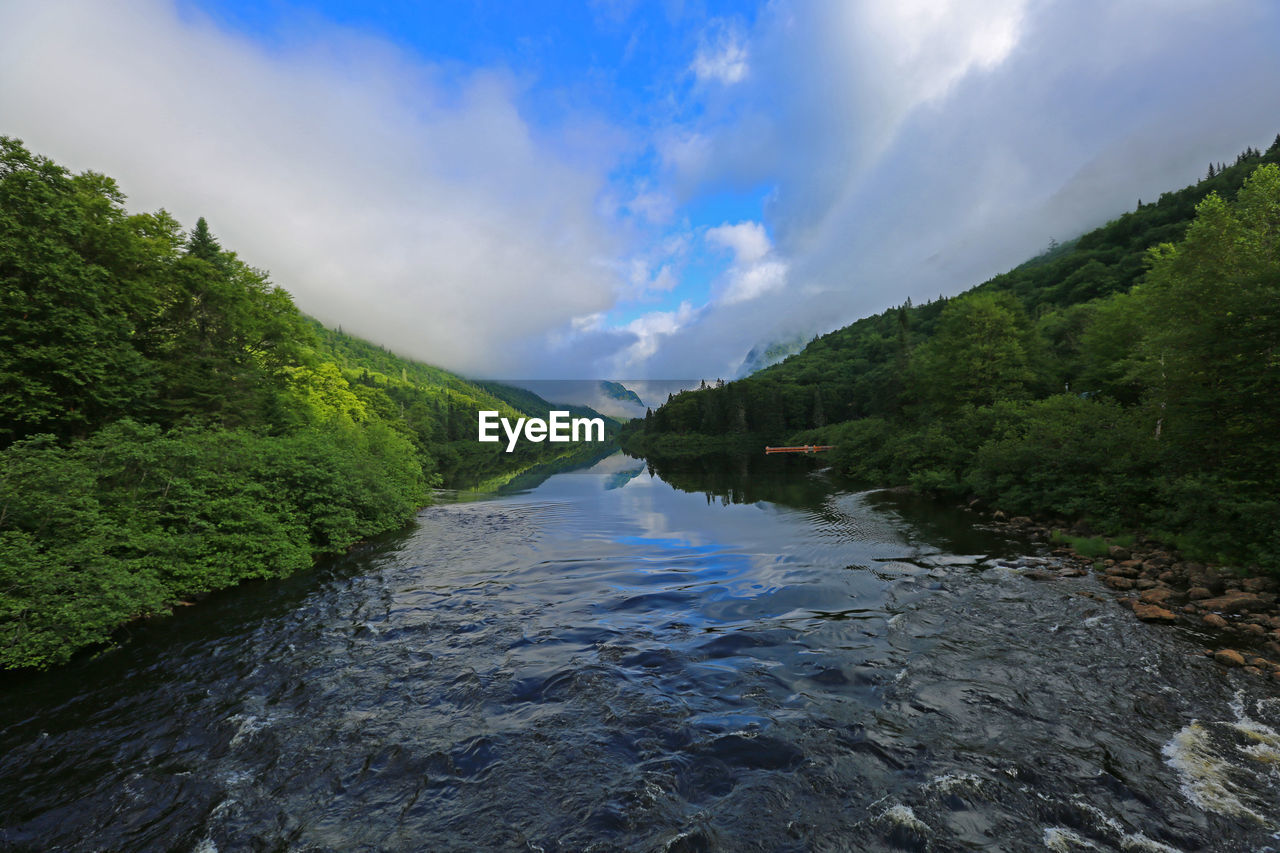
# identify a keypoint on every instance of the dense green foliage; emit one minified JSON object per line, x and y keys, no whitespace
{"x":1130,"y":378}
{"x":170,"y":424}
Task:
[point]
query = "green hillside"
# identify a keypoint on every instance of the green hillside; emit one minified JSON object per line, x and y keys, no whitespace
{"x":170,"y":424}
{"x":529,"y":403}
{"x":1128,"y":378}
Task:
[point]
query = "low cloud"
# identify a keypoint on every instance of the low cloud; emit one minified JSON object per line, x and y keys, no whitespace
{"x":755,"y":269}
{"x":415,"y":207}
{"x":915,"y":149}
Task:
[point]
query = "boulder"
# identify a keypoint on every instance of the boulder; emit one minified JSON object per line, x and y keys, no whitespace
{"x":1258,"y":585}
{"x":1198,"y":592}
{"x":1239,"y":601}
{"x":1213,"y":620}
{"x":1162,"y":596}
{"x":1116,"y":552}
{"x":1207,"y":578}
{"x":1153,"y":613}
{"x":1229,"y":657}
{"x":1117,"y":582}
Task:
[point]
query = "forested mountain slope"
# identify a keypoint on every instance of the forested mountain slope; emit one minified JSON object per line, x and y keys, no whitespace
{"x":171,"y":424}
{"x":1130,"y":377}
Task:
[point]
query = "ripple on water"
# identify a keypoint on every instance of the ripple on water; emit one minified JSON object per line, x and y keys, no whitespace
{"x":632,"y":667}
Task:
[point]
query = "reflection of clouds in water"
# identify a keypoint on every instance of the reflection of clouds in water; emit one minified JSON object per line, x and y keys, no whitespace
{"x":614,"y":463}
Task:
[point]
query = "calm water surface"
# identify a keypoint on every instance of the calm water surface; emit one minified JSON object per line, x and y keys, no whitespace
{"x":733,"y":655}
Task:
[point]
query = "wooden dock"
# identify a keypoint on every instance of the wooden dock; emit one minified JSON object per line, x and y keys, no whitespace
{"x":804,"y":448}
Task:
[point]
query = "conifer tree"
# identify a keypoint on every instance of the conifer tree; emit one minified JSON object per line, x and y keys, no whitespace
{"x":202,"y":244}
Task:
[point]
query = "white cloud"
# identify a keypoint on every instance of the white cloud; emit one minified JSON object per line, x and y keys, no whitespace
{"x":722,"y":56}
{"x":649,"y":331}
{"x":657,"y":267}
{"x":752,"y":281}
{"x":747,"y":240}
{"x":926,"y":46}
{"x":917,"y":148}
{"x":652,"y":206}
{"x":755,"y":270}
{"x":912,"y":148}
{"x":420,"y":210}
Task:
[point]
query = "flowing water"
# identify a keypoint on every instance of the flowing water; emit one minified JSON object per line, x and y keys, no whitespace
{"x":733,"y":655}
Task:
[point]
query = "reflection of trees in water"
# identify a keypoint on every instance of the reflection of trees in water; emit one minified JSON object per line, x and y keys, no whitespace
{"x":747,"y":478}
{"x":804,"y":482}
{"x":583,"y":456}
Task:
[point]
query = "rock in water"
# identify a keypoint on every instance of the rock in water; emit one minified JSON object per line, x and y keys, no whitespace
{"x":1229,"y":657}
{"x":1236,"y":601}
{"x":1153,"y":613}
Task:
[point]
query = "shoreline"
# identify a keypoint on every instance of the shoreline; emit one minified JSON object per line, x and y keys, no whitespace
{"x":1153,"y":582}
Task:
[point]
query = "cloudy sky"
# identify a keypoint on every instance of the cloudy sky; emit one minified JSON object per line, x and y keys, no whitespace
{"x":613,"y":188}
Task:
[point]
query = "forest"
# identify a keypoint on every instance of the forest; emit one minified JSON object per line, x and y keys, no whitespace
{"x":171,"y":424}
{"x":1126,"y":380}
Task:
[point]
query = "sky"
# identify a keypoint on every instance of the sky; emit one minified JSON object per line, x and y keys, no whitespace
{"x":626,"y":189}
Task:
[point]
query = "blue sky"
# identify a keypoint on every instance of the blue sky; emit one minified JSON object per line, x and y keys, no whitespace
{"x":627,"y":60}
{"x":613,"y":188}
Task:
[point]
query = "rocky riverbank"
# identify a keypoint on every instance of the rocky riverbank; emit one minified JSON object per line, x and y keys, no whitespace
{"x":1241,"y":614}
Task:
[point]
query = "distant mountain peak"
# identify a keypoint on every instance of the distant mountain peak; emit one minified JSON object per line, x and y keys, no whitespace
{"x":618,"y":391}
{"x":764,"y":355}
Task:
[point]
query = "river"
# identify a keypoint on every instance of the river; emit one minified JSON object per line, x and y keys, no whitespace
{"x":725,"y":655}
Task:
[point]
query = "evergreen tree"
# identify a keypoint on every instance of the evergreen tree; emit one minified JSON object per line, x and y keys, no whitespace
{"x":202,"y":244}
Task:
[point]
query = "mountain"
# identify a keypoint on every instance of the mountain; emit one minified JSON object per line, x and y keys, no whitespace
{"x":618,"y":391}
{"x":171,"y":424}
{"x":1127,"y":378}
{"x":526,"y":401}
{"x":760,"y":357}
